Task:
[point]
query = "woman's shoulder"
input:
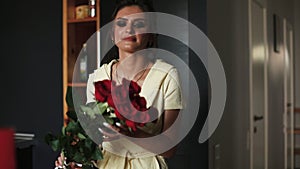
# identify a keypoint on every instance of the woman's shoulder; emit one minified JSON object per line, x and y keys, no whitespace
{"x":103,"y":72}
{"x":160,"y":64}
{"x":161,"y":72}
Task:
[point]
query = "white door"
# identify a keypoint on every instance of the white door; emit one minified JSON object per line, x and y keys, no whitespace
{"x":288,"y":96}
{"x":258,"y":86}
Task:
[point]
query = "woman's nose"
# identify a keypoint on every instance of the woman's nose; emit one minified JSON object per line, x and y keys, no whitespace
{"x":129,"y":29}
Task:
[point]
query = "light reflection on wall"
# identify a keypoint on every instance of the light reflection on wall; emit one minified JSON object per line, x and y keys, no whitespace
{"x":259,"y":53}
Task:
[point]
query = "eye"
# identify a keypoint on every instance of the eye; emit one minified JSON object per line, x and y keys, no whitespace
{"x":121,"y":23}
{"x":139,"y":24}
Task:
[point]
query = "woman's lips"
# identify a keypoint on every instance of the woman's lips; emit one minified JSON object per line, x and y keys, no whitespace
{"x":130,"y":38}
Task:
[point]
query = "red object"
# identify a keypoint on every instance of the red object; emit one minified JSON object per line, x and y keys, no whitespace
{"x":129,"y":106}
{"x":7,"y":149}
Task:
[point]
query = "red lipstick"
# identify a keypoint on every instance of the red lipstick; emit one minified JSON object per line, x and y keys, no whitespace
{"x":130,"y":38}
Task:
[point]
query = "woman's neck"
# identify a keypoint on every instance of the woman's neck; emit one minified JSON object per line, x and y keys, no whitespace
{"x":132,"y":62}
{"x":132,"y":66}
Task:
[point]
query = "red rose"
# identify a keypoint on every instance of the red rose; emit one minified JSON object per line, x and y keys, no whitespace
{"x":120,"y":95}
{"x":110,"y":101}
{"x":119,"y":116}
{"x":134,"y":88}
{"x":131,"y":124}
{"x":131,"y":87}
{"x":102,"y":90}
{"x":127,"y":110}
{"x":129,"y":106}
{"x":139,"y":103}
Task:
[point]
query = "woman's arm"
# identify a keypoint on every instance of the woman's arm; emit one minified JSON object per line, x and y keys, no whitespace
{"x":169,"y":119}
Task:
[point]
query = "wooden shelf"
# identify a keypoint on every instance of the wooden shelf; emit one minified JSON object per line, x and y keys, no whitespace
{"x":297,"y":110}
{"x":94,"y":19}
{"x":296,"y":131}
{"x":75,"y":33}
{"x":297,"y":151}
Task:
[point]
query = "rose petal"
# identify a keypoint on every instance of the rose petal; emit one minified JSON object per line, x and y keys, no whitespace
{"x":119,"y":116}
{"x":110,"y":101}
{"x":102,"y":90}
{"x":131,"y":124}
{"x":134,"y":88}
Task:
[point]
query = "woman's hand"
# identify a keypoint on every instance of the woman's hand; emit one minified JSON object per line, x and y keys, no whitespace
{"x":109,"y":132}
{"x":113,"y":132}
{"x":59,"y":163}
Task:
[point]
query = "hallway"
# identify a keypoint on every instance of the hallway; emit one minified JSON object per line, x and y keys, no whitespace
{"x":259,"y":45}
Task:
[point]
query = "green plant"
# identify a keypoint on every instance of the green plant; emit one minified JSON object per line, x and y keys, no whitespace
{"x":73,"y":141}
{"x":75,"y":144}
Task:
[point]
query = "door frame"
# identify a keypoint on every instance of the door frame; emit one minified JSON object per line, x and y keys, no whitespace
{"x":289,"y":107}
{"x":251,"y":113}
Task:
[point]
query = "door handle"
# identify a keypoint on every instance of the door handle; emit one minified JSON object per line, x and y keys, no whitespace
{"x":257,"y":118}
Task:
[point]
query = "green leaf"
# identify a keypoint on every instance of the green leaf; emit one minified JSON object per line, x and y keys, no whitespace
{"x":109,"y":120}
{"x":97,"y":155}
{"x":78,"y":157}
{"x":112,"y":115}
{"x":88,"y":143}
{"x":64,"y":140}
{"x":123,"y":122}
{"x":101,"y":108}
{"x":55,"y":144}
{"x":69,"y":97}
{"x":48,"y":138}
{"x":63,"y":130}
{"x":89,"y":111}
{"x":81,"y":136}
{"x":71,"y":127}
{"x":87,"y":167}
{"x":130,"y":129}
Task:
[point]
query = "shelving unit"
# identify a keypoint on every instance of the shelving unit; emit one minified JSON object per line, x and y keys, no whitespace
{"x":76,"y":32}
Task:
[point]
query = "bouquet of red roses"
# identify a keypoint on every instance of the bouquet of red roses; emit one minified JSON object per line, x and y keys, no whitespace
{"x":120,"y":103}
{"x":115,"y":103}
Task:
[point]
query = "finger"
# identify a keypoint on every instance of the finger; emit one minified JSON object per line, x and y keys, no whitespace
{"x":59,"y":160}
{"x":111,"y":127}
{"x":124,"y":129}
{"x":122,"y":126}
{"x":107,"y":133}
{"x":57,"y":164}
{"x":109,"y":136}
{"x":105,"y":138}
{"x":72,"y":164}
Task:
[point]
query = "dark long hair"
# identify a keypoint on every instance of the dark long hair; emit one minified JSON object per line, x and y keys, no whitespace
{"x":145,"y":6}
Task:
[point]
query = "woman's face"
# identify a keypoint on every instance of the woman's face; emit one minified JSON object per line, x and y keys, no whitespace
{"x":129,"y":29}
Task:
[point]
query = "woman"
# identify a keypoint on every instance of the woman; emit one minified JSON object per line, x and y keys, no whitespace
{"x":159,"y":82}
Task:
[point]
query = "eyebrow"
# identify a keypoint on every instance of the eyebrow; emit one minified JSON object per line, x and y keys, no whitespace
{"x":137,"y":19}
